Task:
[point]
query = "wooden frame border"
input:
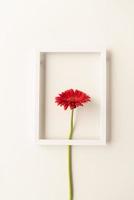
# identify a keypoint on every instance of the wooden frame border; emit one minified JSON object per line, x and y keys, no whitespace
{"x":103,"y":89}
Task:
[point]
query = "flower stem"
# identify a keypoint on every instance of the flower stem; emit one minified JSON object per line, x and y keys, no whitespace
{"x":70,"y":159}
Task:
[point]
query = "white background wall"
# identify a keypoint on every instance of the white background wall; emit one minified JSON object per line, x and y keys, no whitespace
{"x":28,"y":171}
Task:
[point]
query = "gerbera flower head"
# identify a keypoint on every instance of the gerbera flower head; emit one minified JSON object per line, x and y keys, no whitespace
{"x":72,"y":98}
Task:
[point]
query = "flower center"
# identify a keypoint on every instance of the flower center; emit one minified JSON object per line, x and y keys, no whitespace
{"x":72,"y":99}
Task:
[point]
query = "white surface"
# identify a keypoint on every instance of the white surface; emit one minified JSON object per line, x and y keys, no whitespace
{"x":79,"y":142}
{"x":31,"y":172}
{"x":80,"y":69}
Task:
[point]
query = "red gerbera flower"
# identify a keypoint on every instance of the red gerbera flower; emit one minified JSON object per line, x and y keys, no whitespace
{"x":72,"y":98}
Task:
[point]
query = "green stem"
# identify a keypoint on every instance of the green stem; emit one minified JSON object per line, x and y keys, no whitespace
{"x":70,"y":159}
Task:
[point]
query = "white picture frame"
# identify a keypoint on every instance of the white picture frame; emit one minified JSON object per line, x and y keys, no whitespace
{"x":103,"y":115}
